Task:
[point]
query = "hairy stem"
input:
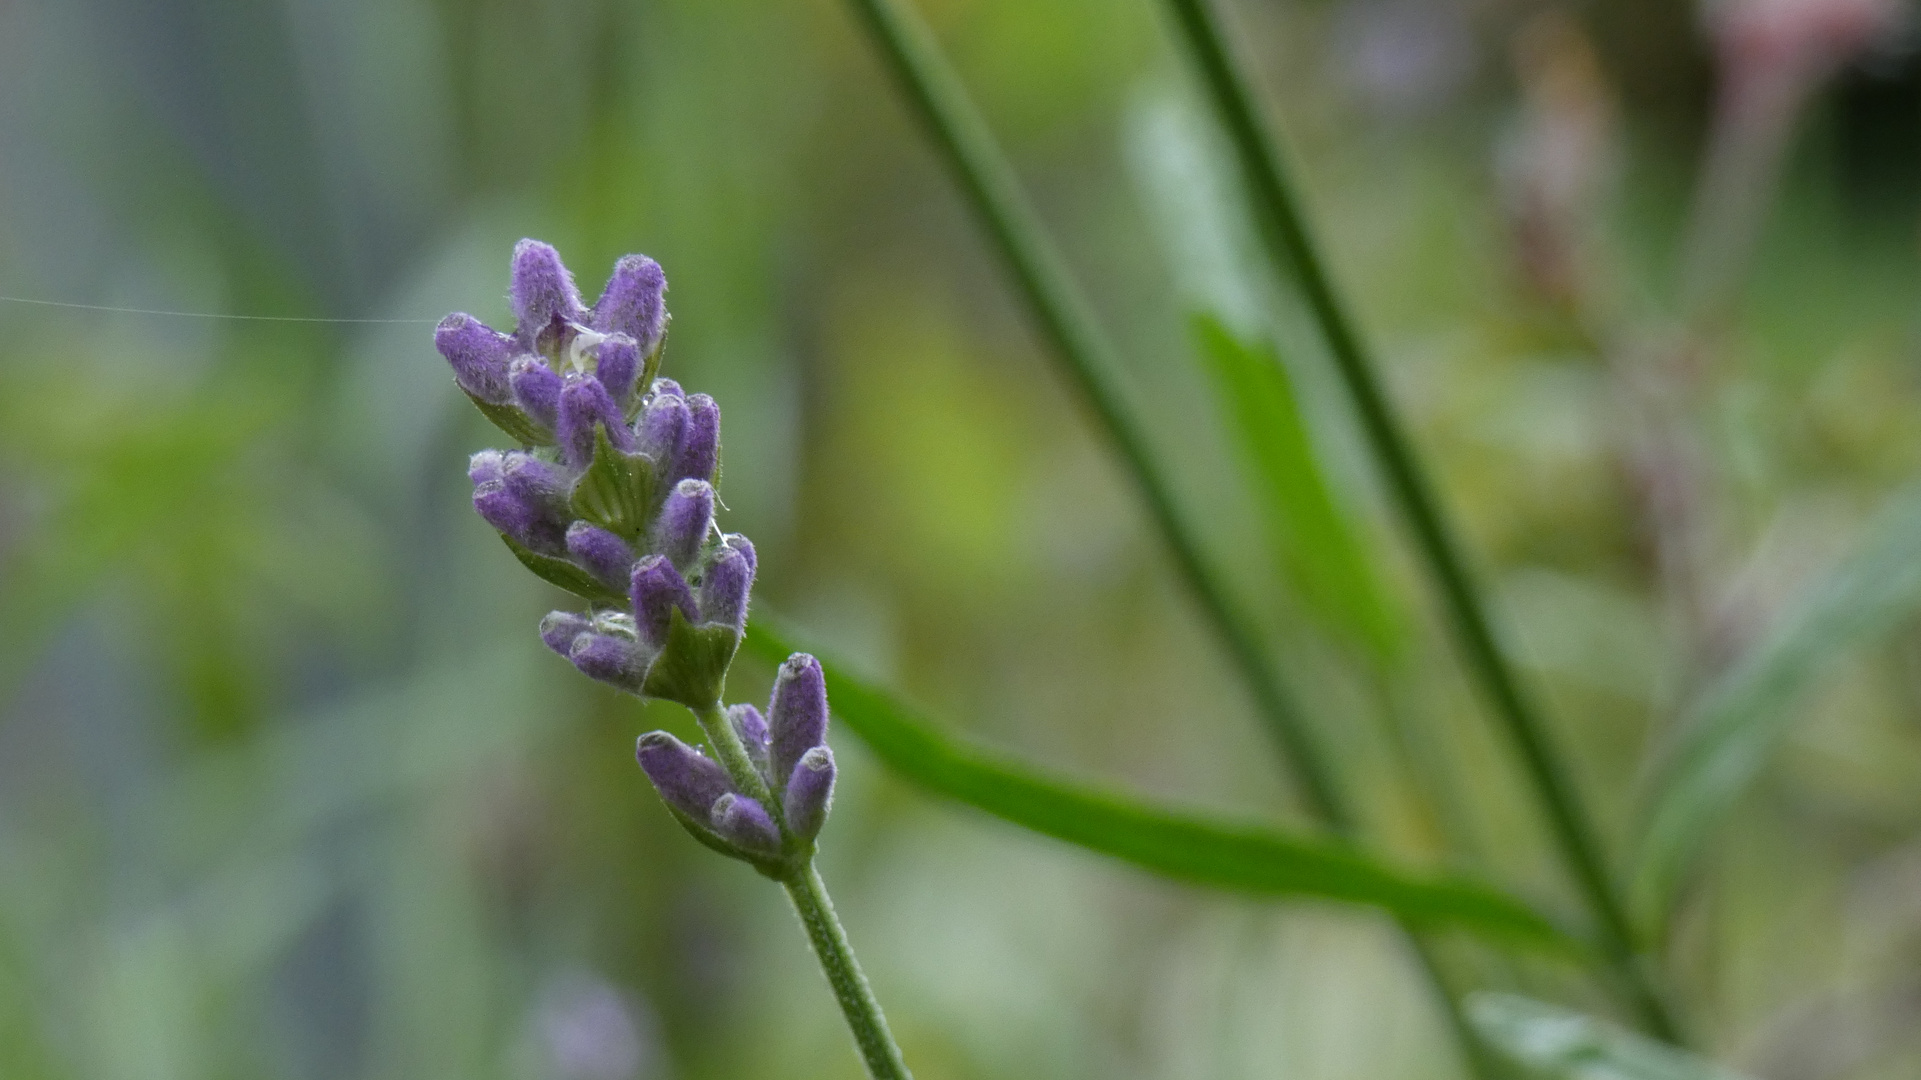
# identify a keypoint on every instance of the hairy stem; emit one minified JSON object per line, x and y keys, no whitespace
{"x":1067,"y":322}
{"x":843,"y":972}
{"x":1284,"y":233}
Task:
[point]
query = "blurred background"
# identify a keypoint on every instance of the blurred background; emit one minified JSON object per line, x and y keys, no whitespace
{"x":288,"y":787}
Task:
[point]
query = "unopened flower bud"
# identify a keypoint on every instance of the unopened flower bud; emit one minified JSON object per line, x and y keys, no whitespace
{"x":478,"y":354}
{"x":797,"y":715}
{"x":656,"y":590}
{"x":634,"y":302}
{"x":488,"y":465}
{"x":536,"y":389}
{"x":729,"y":580}
{"x":584,"y":404}
{"x":617,"y":366}
{"x":600,"y":553}
{"x":684,"y":522}
{"x":614,"y":659}
{"x":667,"y":388}
{"x":661,"y":425}
{"x":560,"y":628}
{"x":744,"y":822}
{"x":523,"y":519}
{"x":687,"y":780}
{"x":543,"y":294}
{"x":752,"y":729}
{"x":699,"y":450}
{"x":810,"y":793}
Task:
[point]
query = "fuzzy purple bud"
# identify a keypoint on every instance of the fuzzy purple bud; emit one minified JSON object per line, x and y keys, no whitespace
{"x":699,"y":450}
{"x":560,"y":628}
{"x":542,"y":292}
{"x":617,"y":365}
{"x":797,"y":715}
{"x":584,"y":403}
{"x":744,"y":822}
{"x":523,"y":519}
{"x":634,"y":302}
{"x":687,"y":780}
{"x":729,"y":580}
{"x":478,"y":354}
{"x":685,"y":520}
{"x":610,"y":658}
{"x":657,"y":589}
{"x":600,"y":553}
{"x":750,"y":726}
{"x":661,"y":425}
{"x":536,"y":389}
{"x":487,"y":466}
{"x":667,"y":388}
{"x":536,"y":481}
{"x":810,"y":793}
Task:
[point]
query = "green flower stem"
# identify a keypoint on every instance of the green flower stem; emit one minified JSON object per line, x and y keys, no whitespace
{"x":1066,"y":320}
{"x":816,"y":910}
{"x":836,"y":956}
{"x":1284,"y":232}
{"x":1090,"y":362}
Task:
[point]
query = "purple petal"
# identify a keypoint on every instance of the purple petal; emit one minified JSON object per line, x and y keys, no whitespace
{"x":687,"y":780}
{"x":685,"y":519}
{"x":536,"y":389}
{"x":745,"y":822}
{"x":657,"y":589}
{"x":560,"y":628}
{"x":478,"y":355}
{"x":634,"y":302}
{"x":810,"y":792}
{"x":699,"y":449}
{"x":600,"y":552}
{"x":584,"y":403}
{"x":797,"y":716}
{"x":542,"y":292}
{"x":617,"y":366}
{"x":729,"y":580}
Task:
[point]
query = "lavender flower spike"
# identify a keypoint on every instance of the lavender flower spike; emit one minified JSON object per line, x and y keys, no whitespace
{"x":685,"y":520}
{"x":478,"y":355}
{"x":687,"y":780}
{"x":657,"y":589}
{"x":729,"y":580}
{"x":797,"y":715}
{"x":744,"y":822}
{"x":810,"y":793}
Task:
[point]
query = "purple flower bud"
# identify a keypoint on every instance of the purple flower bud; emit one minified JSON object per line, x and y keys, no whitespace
{"x":560,"y":628}
{"x":542,"y":292}
{"x":618,"y":366}
{"x":583,"y":404}
{"x":536,"y":481}
{"x":600,"y":553}
{"x":667,"y":388}
{"x":610,"y":658}
{"x":745,"y":823}
{"x":729,"y":579}
{"x":657,"y":589}
{"x":536,"y":389}
{"x":797,"y":716}
{"x":635,"y":302}
{"x":685,"y":519}
{"x":525,"y":520}
{"x":699,"y":450}
{"x":750,"y":726}
{"x":810,"y":792}
{"x":488,"y":465}
{"x":687,"y":780}
{"x":661,"y":424}
{"x":478,"y":354}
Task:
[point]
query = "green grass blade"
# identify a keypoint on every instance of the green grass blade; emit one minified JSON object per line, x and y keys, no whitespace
{"x":1236,"y":857}
{"x":1561,"y":1044}
{"x":1314,"y":540}
{"x":1738,"y":721}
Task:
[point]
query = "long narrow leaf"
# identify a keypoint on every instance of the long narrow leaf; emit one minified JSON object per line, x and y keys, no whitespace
{"x":1317,"y":546}
{"x":1237,"y":857}
{"x":1561,"y":1044}
{"x":1729,"y":735}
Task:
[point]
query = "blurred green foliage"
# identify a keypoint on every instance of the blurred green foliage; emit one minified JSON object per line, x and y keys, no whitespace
{"x":289,"y":788}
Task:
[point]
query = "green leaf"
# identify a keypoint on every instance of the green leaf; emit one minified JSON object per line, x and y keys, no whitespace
{"x":1314,"y":542}
{"x":1737,"y":722}
{"x":692,"y":666}
{"x":564,"y":574}
{"x":1564,"y":1045}
{"x":1238,"y":857}
{"x":616,"y":492}
{"x":514,"y":422}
